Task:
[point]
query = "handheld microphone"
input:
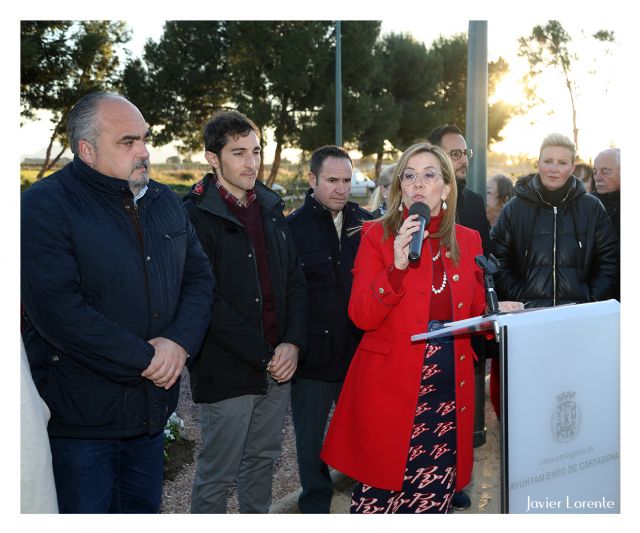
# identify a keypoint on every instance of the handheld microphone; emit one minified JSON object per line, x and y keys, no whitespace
{"x":424,"y":216}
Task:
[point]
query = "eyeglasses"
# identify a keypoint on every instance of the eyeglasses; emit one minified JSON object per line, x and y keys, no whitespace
{"x":430,"y":176}
{"x":456,"y":153}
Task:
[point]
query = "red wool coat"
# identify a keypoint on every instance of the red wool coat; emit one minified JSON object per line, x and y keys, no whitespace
{"x":368,"y":438}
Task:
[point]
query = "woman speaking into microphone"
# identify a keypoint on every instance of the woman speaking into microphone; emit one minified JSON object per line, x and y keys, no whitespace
{"x":403,"y":426}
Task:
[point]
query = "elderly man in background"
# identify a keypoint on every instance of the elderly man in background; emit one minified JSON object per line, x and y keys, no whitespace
{"x":606,"y":171}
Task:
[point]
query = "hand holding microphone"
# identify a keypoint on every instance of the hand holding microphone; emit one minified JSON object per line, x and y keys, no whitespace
{"x":407,"y":246}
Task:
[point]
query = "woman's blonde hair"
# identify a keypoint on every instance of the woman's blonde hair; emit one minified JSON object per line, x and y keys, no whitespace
{"x":393,"y":218}
{"x":385,"y":178}
{"x":562,"y":141}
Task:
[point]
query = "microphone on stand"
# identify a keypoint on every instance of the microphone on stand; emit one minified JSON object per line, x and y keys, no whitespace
{"x":489,"y":266}
{"x":424,"y":216}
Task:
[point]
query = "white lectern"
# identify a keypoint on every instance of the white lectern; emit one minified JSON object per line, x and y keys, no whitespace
{"x":560,"y":406}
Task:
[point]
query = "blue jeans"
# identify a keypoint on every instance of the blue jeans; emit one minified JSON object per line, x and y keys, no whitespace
{"x":108,"y":475}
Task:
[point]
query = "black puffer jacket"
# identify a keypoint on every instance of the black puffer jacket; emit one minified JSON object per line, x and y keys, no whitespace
{"x":235,"y":353}
{"x":554,"y":255}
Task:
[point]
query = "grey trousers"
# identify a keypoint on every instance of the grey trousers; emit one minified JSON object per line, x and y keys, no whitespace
{"x":241,"y":439}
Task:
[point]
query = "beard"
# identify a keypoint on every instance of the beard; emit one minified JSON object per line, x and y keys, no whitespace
{"x":137,"y":183}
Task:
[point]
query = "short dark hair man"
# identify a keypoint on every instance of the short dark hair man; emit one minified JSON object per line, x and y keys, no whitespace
{"x":325,"y":231}
{"x":117,"y":292}
{"x":470,"y":212}
{"x":241,"y":377}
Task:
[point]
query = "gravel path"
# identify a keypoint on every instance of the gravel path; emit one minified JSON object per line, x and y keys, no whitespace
{"x":176,"y":496}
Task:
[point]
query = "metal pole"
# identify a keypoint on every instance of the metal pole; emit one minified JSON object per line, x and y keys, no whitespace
{"x":477,"y":89}
{"x":338,"y":83}
{"x":477,"y":107}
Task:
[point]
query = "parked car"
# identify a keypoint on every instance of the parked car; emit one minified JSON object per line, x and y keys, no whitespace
{"x":361,"y":184}
{"x":279,"y":189}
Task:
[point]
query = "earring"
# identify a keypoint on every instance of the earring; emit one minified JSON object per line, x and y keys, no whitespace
{"x":400,"y":207}
{"x":444,"y":205}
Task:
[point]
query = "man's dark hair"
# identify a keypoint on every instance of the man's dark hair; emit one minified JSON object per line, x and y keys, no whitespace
{"x":320,"y":154}
{"x":223,"y":125}
{"x":435,"y":137}
{"x":81,"y":122}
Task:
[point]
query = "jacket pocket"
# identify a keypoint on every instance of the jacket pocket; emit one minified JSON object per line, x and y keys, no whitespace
{"x":170,"y":235}
{"x":81,"y":398}
{"x":318,"y":355}
{"x":376,"y":345}
{"x":318,"y":268}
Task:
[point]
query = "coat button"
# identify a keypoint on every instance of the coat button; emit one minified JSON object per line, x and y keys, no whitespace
{"x":463,"y":409}
{"x":257,"y":300}
{"x":250,"y":255}
{"x":462,"y":383}
{"x":148,"y":259}
{"x":156,"y":315}
{"x":448,"y":254}
{"x":381,"y":290}
{"x":460,"y":305}
{"x":463,"y":357}
{"x":455,"y":277}
{"x":55,"y":358}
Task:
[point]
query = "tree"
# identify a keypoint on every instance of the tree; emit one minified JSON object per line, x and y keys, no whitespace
{"x":276,"y":75}
{"x":181,"y":81}
{"x":60,"y":63}
{"x":550,"y":46}
{"x":361,"y":97}
{"x":448,"y":103}
{"x":420,"y":88}
{"x":272,"y":73}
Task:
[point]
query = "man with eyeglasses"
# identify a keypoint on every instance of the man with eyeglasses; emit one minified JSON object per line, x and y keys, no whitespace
{"x":470,"y":212}
{"x":606,"y":172}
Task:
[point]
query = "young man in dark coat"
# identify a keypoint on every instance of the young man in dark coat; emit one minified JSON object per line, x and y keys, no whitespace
{"x":117,"y":293}
{"x":241,"y":378}
{"x":470,"y":212}
{"x":326,"y":230}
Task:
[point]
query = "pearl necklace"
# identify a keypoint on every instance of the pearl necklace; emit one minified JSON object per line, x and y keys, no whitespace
{"x":444,"y":277}
{"x":444,"y":284}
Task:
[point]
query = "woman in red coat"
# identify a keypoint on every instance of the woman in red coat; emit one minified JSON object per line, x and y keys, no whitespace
{"x":403,"y":426}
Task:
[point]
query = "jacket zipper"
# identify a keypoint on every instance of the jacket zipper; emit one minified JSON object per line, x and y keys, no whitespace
{"x":555,"y":238}
{"x":555,"y":235}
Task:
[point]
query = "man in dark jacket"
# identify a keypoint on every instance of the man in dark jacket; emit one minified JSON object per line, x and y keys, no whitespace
{"x":117,"y":293}
{"x":241,"y":377}
{"x":326,"y":232}
{"x":470,"y":212}
{"x":606,"y":171}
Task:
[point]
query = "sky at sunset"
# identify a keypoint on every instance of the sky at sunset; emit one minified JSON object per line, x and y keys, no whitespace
{"x":600,"y":104}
